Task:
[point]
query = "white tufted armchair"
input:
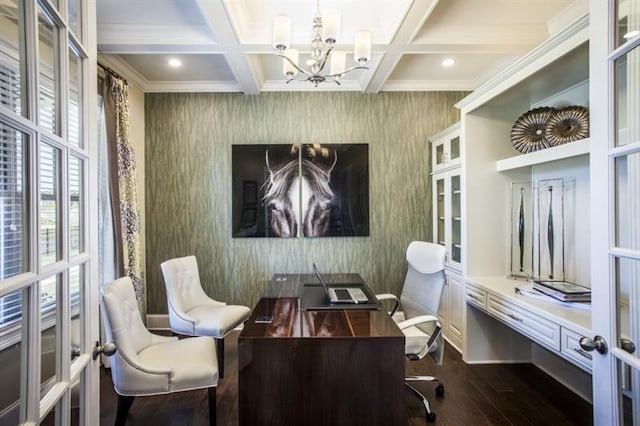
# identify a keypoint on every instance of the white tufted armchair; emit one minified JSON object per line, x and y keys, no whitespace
{"x":192,"y":312}
{"x":147,"y":364}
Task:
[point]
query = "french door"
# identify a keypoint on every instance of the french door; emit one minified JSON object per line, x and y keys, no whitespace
{"x":615,"y":166}
{"x":48,"y":299}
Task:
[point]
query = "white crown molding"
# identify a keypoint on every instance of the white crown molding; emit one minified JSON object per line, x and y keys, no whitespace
{"x":125,"y":70}
{"x":575,"y":10}
{"x":484,"y":34}
{"x":427,"y":85}
{"x":304,"y":86}
{"x":193,"y":86}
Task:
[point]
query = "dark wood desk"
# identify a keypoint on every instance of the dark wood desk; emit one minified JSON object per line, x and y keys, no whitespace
{"x":336,"y":367}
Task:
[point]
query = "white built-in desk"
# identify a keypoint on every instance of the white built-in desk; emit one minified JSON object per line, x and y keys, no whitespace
{"x":531,"y":326}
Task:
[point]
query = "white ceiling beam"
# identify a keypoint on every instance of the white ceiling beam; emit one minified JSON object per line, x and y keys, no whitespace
{"x":483,"y":34}
{"x":153,"y":34}
{"x":141,"y":49}
{"x":215,"y":14}
{"x":411,"y":24}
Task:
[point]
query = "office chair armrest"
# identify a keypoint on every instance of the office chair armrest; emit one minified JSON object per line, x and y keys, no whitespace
{"x":436,"y":336}
{"x":388,"y":296}
{"x":422,"y":319}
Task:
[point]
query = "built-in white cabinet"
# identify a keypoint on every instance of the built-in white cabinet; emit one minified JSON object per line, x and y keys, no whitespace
{"x":502,"y":326}
{"x":445,"y":149}
{"x":447,"y":227}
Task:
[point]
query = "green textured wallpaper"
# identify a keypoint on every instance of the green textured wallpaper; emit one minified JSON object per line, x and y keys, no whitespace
{"x":188,"y":183}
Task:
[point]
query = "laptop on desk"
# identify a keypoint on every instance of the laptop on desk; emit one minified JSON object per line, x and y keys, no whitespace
{"x":354,"y":295}
{"x":341,"y":294}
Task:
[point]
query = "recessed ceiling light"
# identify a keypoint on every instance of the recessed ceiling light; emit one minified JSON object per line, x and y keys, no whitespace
{"x":175,"y":63}
{"x":631,"y":34}
{"x":448,"y":62}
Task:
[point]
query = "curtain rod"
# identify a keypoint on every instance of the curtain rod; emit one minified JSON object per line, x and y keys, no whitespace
{"x":112,"y":72}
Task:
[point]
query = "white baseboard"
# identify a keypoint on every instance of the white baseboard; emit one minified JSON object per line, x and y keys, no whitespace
{"x":158,"y":322}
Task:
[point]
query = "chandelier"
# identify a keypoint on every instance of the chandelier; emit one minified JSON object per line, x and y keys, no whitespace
{"x":326,"y":28}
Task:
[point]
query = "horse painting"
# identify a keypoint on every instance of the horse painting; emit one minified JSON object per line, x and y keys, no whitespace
{"x":298,"y":195}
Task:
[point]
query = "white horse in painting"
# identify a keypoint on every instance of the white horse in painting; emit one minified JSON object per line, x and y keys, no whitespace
{"x":299,"y":197}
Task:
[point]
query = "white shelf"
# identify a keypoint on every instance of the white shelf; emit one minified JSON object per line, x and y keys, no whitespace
{"x":559,"y":152}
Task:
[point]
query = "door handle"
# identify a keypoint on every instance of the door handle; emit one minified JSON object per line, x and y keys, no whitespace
{"x":627,"y":345}
{"x":107,"y":349}
{"x":597,"y":343}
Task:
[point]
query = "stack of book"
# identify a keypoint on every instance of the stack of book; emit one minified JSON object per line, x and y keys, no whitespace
{"x":564,"y":291}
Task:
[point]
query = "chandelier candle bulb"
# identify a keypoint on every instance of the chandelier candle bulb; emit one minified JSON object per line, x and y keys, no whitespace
{"x":330,"y":26}
{"x":322,"y":57}
{"x":362,"y":46}
{"x":281,"y":32}
{"x":288,"y":68}
{"x":338,"y":62}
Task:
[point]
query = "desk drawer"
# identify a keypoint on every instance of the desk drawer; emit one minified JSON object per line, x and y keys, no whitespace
{"x":476,"y":296}
{"x":570,"y":341}
{"x":528,"y":323}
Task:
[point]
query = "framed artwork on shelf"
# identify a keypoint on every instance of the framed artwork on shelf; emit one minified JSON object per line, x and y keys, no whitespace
{"x":522,"y":228}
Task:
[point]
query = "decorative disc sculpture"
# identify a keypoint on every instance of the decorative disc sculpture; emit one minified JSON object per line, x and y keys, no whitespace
{"x":528,"y":132}
{"x":567,"y":125}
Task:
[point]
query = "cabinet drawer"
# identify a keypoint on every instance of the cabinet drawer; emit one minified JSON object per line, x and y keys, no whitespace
{"x":570,"y":341}
{"x":528,"y":323}
{"x":476,"y":296}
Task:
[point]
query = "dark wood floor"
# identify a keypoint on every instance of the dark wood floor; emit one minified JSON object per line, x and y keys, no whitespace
{"x":515,"y":394}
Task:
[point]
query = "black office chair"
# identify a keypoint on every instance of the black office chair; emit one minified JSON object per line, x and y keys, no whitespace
{"x":420,"y":300}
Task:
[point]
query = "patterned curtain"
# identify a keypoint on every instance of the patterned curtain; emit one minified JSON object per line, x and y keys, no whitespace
{"x":122,"y":184}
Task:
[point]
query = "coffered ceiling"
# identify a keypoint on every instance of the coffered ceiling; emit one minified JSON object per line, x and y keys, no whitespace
{"x":225,"y":45}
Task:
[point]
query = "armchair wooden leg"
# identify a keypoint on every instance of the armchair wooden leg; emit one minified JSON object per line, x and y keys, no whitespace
{"x":212,"y":406}
{"x":220,"y":354}
{"x":124,"y":403}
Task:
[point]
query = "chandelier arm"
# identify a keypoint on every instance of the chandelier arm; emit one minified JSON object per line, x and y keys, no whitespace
{"x":357,"y":67}
{"x":324,"y":59}
{"x":282,"y":55}
{"x":290,"y":79}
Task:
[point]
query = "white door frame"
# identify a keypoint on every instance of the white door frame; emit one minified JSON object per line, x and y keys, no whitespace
{"x":606,"y":379}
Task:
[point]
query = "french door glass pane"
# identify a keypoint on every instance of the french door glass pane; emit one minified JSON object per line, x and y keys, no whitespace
{"x":628,"y":299}
{"x":627,"y":86}
{"x":10,"y":360}
{"x":73,"y":8}
{"x":10,"y":57}
{"x":627,"y":20}
{"x":49,"y":205}
{"x":13,"y":199}
{"x":75,"y":96}
{"x":48,"y":71}
{"x":76,"y":208}
{"x":629,"y":394}
{"x":76,"y":282}
{"x":48,"y":342}
{"x":627,"y":192}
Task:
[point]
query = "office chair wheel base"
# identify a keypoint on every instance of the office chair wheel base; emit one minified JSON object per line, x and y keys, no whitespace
{"x":440,"y":390}
{"x":431,"y":417}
